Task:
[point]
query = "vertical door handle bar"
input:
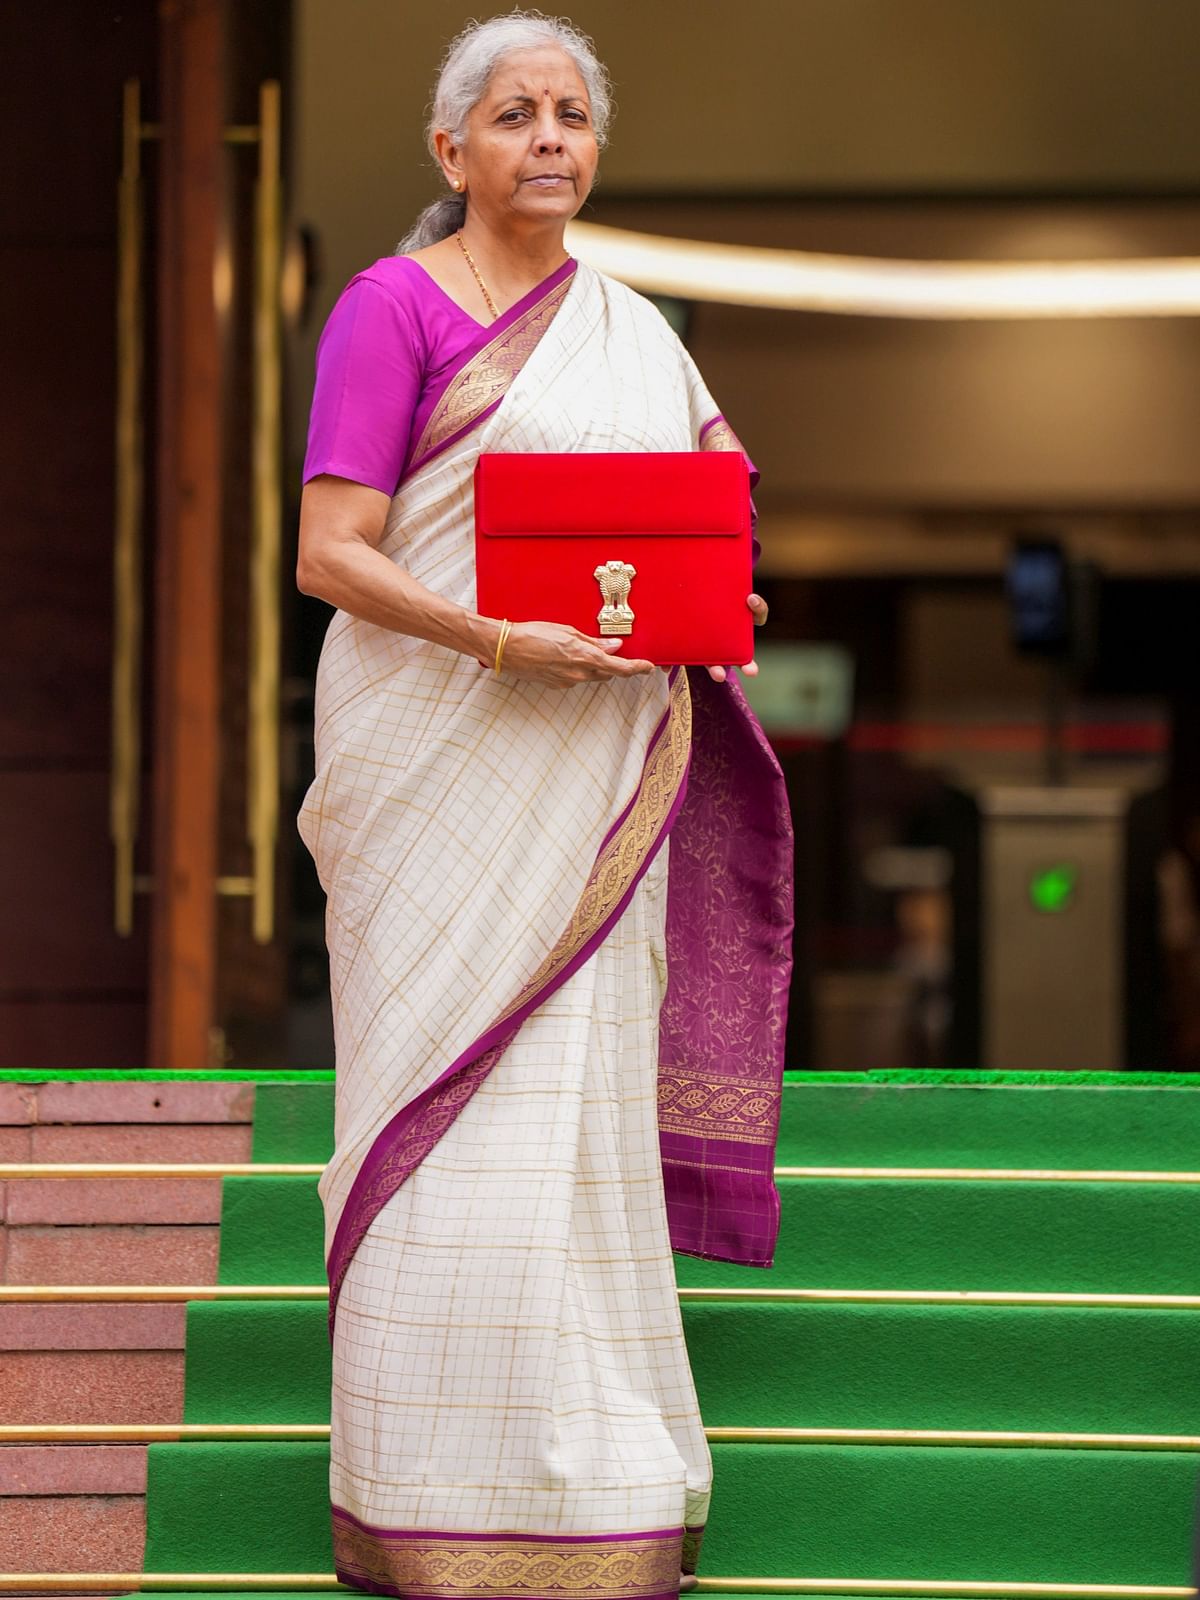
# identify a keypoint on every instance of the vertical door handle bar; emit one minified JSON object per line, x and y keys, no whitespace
{"x":266,"y":533}
{"x":125,"y":768}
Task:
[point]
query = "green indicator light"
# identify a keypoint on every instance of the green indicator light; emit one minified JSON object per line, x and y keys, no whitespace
{"x":1053,"y":888}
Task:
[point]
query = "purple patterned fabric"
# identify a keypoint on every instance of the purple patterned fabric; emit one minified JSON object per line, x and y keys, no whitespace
{"x":729,"y":956}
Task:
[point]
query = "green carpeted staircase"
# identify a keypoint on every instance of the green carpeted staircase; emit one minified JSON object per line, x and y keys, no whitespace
{"x":977,"y":1511}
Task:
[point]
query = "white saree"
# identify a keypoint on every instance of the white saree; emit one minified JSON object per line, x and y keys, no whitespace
{"x":513,"y":1408}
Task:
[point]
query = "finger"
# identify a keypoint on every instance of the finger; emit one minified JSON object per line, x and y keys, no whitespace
{"x":750,"y":670}
{"x":717,"y":674}
{"x":759,"y":607}
{"x":627,"y":669}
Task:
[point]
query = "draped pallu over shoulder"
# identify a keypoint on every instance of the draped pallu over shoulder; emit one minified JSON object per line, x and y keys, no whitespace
{"x":479,"y":836}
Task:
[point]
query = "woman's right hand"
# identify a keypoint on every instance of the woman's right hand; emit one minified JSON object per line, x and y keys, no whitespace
{"x":552,"y":653}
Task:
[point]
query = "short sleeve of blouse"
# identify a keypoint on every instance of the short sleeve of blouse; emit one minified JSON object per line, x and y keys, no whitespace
{"x":367,"y":386}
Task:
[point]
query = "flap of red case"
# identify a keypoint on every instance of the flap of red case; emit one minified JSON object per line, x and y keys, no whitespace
{"x":664,"y":492}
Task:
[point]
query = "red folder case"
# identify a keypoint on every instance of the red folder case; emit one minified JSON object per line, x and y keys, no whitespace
{"x":653,"y":548}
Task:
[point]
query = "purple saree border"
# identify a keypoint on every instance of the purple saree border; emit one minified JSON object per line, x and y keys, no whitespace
{"x":488,"y":334}
{"x":353,"y":1223}
{"x":396,"y":1561}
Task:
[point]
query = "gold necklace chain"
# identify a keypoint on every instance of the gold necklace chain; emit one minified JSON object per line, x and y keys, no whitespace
{"x":483,"y":288}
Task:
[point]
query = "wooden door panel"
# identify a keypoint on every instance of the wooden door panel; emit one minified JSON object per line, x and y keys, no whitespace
{"x":50,"y":1031}
{"x":71,"y":992}
{"x":56,"y":919}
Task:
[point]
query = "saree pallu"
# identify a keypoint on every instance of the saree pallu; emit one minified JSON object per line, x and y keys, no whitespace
{"x":558,"y":1036}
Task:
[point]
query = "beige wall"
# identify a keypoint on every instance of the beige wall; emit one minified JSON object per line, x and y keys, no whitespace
{"x":866,"y":412}
{"x":843,"y":96}
{"x":781,"y":95}
{"x":784,"y":95}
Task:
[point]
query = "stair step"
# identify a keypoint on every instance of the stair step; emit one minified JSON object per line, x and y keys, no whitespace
{"x":111,"y":1254}
{"x":72,"y":1533}
{"x":65,"y":1469}
{"x":878,"y":1123}
{"x":968,"y":1514}
{"x":84,"y":1201}
{"x":148,"y":1100}
{"x":841,"y":1233}
{"x":92,"y":1327}
{"x":140,"y":1142}
{"x":67,"y":1386}
{"x":1049,"y":1237}
{"x":802,"y":1366}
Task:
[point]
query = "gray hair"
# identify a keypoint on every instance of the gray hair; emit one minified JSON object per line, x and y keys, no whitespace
{"x":462,"y":81}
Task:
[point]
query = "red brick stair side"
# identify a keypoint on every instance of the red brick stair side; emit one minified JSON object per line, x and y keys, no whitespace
{"x":77,"y":1508}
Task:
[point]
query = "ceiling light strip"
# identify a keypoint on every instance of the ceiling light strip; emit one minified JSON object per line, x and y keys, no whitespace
{"x":863,"y":286}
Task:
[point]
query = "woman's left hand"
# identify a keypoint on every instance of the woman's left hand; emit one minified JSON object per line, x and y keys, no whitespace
{"x":759,"y":607}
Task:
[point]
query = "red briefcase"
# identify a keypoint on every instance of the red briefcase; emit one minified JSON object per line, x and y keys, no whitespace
{"x":652,"y":547}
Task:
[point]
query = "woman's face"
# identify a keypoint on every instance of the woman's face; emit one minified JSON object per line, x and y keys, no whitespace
{"x":531,"y":151}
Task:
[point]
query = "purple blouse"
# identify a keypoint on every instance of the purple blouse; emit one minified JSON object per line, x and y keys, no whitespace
{"x":390,"y":338}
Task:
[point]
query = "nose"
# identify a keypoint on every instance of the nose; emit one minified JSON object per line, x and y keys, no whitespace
{"x":547,"y":135}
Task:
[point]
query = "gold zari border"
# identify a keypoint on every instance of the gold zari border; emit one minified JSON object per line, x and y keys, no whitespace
{"x":487,"y":375}
{"x":443,"y":1569}
{"x":744,"y":1112}
{"x":720,"y":436}
{"x":623,"y":856}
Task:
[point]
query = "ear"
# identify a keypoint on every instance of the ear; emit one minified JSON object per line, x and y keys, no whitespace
{"x":449,"y":157}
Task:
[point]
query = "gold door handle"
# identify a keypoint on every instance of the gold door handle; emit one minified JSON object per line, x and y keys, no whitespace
{"x":266,"y":532}
{"x":125,"y":770}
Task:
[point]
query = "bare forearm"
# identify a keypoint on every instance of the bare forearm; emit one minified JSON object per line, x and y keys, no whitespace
{"x":362,"y":581}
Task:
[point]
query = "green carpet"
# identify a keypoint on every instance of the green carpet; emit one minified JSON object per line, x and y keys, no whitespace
{"x":837,"y":1233}
{"x":807,"y":1366}
{"x":967,"y":1514}
{"x":888,"y":1076}
{"x":871,"y":1123}
{"x":1085,"y":1516}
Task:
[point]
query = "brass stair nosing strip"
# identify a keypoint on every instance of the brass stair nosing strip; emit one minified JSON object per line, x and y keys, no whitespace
{"x":129,"y":1294}
{"x":327,"y":1582}
{"x":990,"y":1174}
{"x":1033,"y":1298}
{"x":946,"y":1438}
{"x":946,"y":1587}
{"x":154,"y":1293}
{"x":19,"y":1170}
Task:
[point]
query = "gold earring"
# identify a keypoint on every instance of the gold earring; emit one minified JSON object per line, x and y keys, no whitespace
{"x":456,"y":184}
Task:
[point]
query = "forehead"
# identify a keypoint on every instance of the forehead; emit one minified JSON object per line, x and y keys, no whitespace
{"x":532,"y":72}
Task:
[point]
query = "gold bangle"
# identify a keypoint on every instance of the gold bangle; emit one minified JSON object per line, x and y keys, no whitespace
{"x":505,"y":630}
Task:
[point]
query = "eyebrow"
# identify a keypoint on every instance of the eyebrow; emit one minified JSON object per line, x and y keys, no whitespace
{"x":531,"y":100}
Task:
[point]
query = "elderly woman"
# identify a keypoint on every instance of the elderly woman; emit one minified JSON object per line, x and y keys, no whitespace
{"x":524,"y":1127}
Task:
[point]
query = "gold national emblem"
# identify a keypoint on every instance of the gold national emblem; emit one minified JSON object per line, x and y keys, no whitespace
{"x":614,"y":578}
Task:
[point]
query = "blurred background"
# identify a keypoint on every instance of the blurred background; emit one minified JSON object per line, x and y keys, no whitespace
{"x":981,"y":537}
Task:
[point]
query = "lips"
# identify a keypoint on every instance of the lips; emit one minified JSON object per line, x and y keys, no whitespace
{"x":547,"y":178}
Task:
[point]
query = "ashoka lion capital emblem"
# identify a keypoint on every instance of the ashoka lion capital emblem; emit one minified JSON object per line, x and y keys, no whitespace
{"x":614,"y":578}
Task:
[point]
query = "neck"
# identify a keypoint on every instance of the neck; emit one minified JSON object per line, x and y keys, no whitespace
{"x":514,"y":258}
